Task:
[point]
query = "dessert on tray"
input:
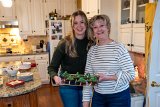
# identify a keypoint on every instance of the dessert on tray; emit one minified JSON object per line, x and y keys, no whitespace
{"x":78,"y":79}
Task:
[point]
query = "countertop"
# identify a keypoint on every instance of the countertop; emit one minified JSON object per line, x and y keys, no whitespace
{"x":21,"y":54}
{"x":6,"y":91}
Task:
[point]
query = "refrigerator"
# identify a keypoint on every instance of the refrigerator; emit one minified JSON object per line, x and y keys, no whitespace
{"x":56,"y":30}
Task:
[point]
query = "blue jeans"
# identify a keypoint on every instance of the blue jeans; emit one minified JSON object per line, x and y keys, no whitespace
{"x":121,"y":99}
{"x":71,"y":96}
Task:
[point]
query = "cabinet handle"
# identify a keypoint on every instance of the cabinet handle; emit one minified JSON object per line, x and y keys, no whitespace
{"x":132,"y":44}
{"x":128,"y":45}
{"x":9,"y":105}
{"x":2,"y":16}
{"x":88,"y":13}
{"x":28,"y":58}
{"x":133,"y":21}
{"x":20,"y":31}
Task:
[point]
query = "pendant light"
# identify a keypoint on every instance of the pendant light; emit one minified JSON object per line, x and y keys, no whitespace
{"x":6,"y":3}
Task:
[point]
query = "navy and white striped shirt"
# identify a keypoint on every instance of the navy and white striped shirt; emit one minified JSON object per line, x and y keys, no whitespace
{"x":110,"y":59}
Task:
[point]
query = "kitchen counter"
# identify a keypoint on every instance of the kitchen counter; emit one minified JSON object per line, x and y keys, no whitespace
{"x":6,"y":91}
{"x":21,"y":54}
{"x":20,"y":96}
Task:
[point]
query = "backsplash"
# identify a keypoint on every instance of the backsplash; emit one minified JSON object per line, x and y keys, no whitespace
{"x":10,"y":38}
{"x":33,"y":40}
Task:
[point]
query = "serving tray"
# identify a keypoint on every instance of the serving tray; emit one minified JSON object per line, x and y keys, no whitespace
{"x":15,"y":83}
{"x":78,"y":79}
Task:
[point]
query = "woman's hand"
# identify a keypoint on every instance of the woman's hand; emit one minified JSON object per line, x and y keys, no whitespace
{"x":86,"y":104}
{"x":103,"y":77}
{"x":57,"y":80}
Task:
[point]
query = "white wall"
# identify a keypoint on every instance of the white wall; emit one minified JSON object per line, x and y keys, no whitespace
{"x":110,"y":8}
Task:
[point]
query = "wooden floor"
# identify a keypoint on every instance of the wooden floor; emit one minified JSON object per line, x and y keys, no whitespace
{"x":48,"y":96}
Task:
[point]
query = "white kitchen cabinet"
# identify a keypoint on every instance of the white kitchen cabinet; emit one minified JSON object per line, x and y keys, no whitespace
{"x":23,"y":10}
{"x":42,"y":62}
{"x":137,"y":101}
{"x":38,"y":21}
{"x":63,"y":7}
{"x":132,"y":12}
{"x":90,"y":7}
{"x":67,"y":7}
{"x":50,"y":6}
{"x":30,"y":15}
{"x":7,"y":13}
{"x":131,"y":24}
{"x":133,"y":39}
{"x":28,"y":58}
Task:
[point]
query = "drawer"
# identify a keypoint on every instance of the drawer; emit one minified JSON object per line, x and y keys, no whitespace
{"x":28,"y":58}
{"x":41,"y":57}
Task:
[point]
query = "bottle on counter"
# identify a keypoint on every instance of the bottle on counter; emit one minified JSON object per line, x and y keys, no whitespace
{"x":44,"y":47}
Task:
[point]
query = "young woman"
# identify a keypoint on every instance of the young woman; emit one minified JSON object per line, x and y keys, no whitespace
{"x":70,"y":55}
{"x":111,"y":62}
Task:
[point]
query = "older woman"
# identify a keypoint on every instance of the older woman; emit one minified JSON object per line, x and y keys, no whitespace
{"x":111,"y":61}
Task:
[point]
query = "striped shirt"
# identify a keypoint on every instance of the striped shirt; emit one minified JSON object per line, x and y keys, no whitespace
{"x":110,"y":59}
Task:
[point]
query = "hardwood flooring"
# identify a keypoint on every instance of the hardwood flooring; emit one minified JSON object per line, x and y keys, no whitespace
{"x":48,"y":96}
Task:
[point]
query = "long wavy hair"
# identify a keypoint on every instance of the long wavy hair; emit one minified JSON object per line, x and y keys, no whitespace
{"x":70,"y":39}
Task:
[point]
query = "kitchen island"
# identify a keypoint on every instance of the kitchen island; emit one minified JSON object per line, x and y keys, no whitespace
{"x":20,"y":96}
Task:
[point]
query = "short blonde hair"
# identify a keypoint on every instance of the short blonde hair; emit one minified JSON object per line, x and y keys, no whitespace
{"x":103,"y":17}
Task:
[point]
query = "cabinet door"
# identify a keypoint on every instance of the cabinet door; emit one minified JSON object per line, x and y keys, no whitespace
{"x":90,"y":7}
{"x":23,"y":10}
{"x":126,"y":37}
{"x":7,"y":13}
{"x":28,"y":58}
{"x":132,"y":11}
{"x":137,"y":101}
{"x":38,"y":22}
{"x":50,"y":6}
{"x":139,"y":11}
{"x":42,"y":65}
{"x":138,"y":40}
{"x":67,"y":7}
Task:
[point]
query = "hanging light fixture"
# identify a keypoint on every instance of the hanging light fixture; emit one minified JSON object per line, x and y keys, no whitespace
{"x":6,"y":3}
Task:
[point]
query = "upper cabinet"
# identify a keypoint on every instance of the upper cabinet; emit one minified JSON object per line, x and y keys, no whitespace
{"x":30,"y":15}
{"x":7,"y":13}
{"x":23,"y":11}
{"x":132,"y":13}
{"x":90,"y":7}
{"x":50,"y":6}
{"x":132,"y":26}
{"x":38,"y":21}
{"x":63,"y":7}
{"x":67,"y":7}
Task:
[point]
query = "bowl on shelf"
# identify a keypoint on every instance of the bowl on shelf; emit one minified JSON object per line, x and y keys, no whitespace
{"x":12,"y":70}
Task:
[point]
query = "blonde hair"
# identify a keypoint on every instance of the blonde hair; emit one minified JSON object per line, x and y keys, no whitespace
{"x":105,"y":18}
{"x":70,"y":39}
